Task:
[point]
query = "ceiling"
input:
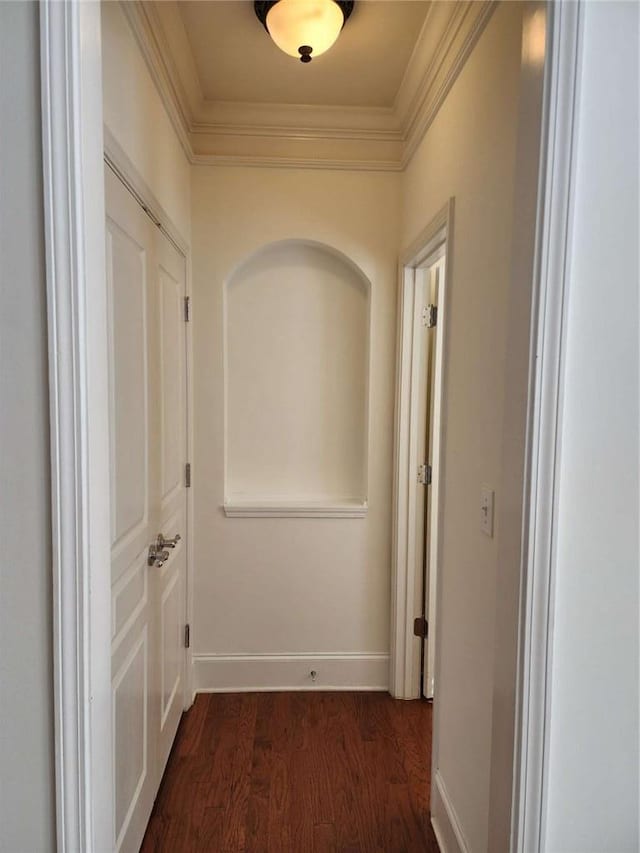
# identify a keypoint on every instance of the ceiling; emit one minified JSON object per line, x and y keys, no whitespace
{"x":236,"y":60}
{"x":234,"y":97}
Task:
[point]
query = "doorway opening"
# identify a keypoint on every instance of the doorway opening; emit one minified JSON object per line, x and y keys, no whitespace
{"x":419,"y":480}
{"x":429,"y":284}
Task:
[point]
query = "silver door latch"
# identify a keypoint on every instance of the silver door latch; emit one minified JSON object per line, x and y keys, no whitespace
{"x":157,"y":556}
{"x":162,"y":543}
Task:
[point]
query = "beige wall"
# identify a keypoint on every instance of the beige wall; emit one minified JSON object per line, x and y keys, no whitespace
{"x":135,"y":115}
{"x":27,"y":809}
{"x":469,"y":153}
{"x":291,"y":586}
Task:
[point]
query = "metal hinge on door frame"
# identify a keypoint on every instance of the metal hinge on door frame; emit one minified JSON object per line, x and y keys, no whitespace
{"x":421,"y":627}
{"x":187,"y":475}
{"x":424,"y":474}
{"x":187,"y":309}
{"x":430,"y":316}
{"x":187,"y":636}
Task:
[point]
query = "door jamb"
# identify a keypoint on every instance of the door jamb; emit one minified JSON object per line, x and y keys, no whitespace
{"x":404,"y":662}
{"x":73,"y":201}
{"x":544,"y":423}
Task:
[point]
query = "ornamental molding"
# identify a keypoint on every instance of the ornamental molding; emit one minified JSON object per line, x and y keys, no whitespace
{"x":300,"y":135}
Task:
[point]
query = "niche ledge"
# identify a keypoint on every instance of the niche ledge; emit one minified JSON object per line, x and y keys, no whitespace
{"x":295,"y":508}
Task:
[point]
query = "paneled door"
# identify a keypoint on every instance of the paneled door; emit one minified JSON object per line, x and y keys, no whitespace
{"x":146,"y":286}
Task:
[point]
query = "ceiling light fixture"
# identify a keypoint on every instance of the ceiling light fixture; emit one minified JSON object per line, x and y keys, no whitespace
{"x":303,"y":28}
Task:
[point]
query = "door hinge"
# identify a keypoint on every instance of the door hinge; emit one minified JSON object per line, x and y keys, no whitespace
{"x":421,"y":627}
{"x":187,"y":636}
{"x":430,"y":316}
{"x":424,"y":474}
{"x":187,"y":309}
{"x":187,"y":475}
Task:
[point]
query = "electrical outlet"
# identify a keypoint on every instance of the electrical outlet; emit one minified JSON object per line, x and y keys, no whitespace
{"x":486,"y":510}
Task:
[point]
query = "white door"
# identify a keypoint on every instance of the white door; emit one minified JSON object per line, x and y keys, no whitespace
{"x":146,"y":284}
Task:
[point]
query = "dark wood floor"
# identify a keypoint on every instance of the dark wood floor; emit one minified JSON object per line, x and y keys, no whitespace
{"x":297,"y":773}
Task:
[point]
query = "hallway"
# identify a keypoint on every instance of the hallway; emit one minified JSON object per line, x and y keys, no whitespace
{"x":299,"y":772}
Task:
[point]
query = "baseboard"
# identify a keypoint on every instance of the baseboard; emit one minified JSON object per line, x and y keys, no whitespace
{"x":247,"y":673}
{"x":444,"y":820}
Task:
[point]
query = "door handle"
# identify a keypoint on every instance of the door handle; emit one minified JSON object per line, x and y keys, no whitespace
{"x":157,"y":556}
{"x":167,"y":543}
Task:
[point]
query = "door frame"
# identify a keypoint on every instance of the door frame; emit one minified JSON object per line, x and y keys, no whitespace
{"x":73,"y":197}
{"x":73,"y":153}
{"x":406,"y":598}
{"x":554,"y":215}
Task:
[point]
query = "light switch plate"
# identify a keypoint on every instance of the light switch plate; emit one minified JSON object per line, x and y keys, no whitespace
{"x":486,"y":510}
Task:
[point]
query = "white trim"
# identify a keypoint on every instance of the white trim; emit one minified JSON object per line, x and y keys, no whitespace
{"x":70,"y":55}
{"x":545,"y":412}
{"x":221,"y":673}
{"x":160,"y":66}
{"x":405,"y":653}
{"x":122,"y":166}
{"x":298,"y":162}
{"x":418,"y":104}
{"x":445,"y":822}
{"x":295,"y":509}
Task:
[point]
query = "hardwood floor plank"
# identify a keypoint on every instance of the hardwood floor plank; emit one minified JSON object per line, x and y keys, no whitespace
{"x":415,"y":735}
{"x":210,"y":832}
{"x":192,"y":725}
{"x":297,"y":773}
{"x":324,"y":838}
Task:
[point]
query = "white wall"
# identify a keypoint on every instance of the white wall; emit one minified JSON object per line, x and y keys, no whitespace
{"x":592,"y":790}
{"x":135,"y":115}
{"x":291,"y":586}
{"x":27,"y":811}
{"x":469,"y":152}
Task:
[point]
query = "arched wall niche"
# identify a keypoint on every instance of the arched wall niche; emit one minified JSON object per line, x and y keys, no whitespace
{"x":296,"y":352}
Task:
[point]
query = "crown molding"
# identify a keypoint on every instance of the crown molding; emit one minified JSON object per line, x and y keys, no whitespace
{"x":166,"y":24}
{"x":417,"y":106}
{"x":314,"y":152}
{"x":303,"y":135}
{"x":297,"y":116}
{"x":159,"y":60}
{"x":298,"y":162}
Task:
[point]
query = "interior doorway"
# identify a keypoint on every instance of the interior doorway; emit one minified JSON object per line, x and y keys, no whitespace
{"x":418,"y":459}
{"x":430,"y":281}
